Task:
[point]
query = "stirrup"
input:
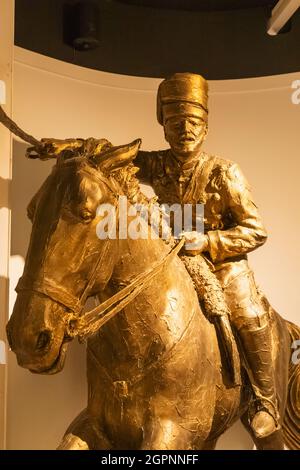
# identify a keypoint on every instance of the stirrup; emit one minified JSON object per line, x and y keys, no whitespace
{"x":263,"y":408}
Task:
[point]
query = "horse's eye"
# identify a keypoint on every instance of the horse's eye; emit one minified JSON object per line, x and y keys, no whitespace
{"x":43,"y":340}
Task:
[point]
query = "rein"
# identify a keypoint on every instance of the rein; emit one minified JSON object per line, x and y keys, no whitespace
{"x":89,"y":323}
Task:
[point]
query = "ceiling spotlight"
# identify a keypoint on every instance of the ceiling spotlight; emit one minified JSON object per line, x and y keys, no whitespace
{"x":281,"y":15}
{"x":81,"y":25}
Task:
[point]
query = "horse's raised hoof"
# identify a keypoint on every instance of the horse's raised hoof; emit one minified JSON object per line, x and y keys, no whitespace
{"x":72,"y":442}
{"x":263,"y":425}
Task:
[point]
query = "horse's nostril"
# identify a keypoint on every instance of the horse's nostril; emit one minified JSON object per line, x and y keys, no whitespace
{"x":43,"y":340}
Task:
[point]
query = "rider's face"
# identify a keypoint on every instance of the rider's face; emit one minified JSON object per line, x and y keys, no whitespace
{"x":185,"y":134}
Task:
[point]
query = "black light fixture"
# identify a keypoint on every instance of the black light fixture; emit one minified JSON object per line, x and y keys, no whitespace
{"x":81,"y":25}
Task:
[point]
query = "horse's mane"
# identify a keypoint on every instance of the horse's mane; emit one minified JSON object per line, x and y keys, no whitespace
{"x":87,"y":154}
{"x":127,"y":179}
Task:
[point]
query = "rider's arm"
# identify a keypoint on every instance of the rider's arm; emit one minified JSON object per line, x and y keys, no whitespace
{"x":248,"y":232}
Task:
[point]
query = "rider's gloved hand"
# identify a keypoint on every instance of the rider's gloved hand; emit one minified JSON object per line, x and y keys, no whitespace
{"x":195,"y":242}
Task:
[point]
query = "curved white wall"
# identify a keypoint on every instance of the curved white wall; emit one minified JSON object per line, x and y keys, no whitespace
{"x":251,"y":121}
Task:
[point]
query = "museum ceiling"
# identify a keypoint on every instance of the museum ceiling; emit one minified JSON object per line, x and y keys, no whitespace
{"x":221,"y":39}
{"x":200,"y":5}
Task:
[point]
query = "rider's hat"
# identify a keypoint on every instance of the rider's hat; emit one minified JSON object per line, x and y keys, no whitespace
{"x":182,"y":93}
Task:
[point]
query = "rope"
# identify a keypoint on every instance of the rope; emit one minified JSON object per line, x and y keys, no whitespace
{"x":12,"y":127}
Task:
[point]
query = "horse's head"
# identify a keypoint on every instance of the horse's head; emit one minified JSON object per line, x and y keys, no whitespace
{"x":64,"y":261}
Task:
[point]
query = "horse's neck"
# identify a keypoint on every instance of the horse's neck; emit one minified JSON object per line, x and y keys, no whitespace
{"x":136,"y":257}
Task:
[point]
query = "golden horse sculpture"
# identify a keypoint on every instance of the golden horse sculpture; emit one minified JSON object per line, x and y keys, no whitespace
{"x":156,"y":377}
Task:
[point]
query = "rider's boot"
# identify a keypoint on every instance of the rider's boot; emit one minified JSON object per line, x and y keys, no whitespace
{"x":256,"y":342}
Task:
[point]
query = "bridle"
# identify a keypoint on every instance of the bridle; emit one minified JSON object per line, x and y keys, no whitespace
{"x":86,"y":324}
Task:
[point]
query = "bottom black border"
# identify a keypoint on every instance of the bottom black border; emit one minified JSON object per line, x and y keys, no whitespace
{"x":138,"y":459}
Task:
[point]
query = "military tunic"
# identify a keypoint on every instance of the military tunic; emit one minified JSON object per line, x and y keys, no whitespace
{"x":231,"y":219}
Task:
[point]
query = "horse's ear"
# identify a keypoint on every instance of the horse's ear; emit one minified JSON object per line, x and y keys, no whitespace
{"x":117,"y":157}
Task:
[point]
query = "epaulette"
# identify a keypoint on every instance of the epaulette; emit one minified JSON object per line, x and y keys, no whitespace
{"x":219,"y":172}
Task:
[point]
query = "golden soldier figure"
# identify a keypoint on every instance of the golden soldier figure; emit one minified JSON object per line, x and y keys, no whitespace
{"x":185,"y":174}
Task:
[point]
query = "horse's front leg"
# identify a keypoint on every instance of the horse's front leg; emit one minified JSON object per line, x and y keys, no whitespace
{"x":180,"y":415}
{"x":84,"y":433}
{"x":166,"y":434}
{"x":175,"y":425}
